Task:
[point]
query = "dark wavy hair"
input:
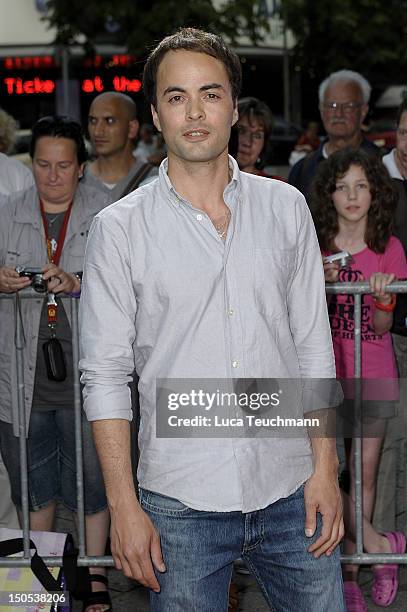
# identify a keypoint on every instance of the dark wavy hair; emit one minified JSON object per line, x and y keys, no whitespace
{"x":192,"y":39}
{"x":59,"y":126}
{"x":380,"y":216}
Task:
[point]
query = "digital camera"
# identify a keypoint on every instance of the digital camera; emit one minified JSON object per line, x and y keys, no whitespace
{"x":35,"y":275}
{"x":343,"y":259}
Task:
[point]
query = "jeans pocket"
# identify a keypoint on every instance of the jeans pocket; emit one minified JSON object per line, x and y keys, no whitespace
{"x":161,"y":504}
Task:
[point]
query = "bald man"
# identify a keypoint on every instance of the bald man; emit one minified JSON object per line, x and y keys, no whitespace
{"x":113,"y":126}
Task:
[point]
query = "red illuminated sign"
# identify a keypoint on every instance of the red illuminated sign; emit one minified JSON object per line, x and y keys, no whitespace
{"x":93,"y":62}
{"x":92,"y":85}
{"x":18,"y":86}
{"x":28,"y":62}
{"x":120,"y":83}
{"x":117,"y":60}
{"x":34,"y":62}
{"x":36,"y":85}
{"x":122,"y":60}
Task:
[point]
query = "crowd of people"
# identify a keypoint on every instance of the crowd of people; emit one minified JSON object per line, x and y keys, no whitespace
{"x":357,"y":199}
{"x":45,"y":217}
{"x":358,"y":203}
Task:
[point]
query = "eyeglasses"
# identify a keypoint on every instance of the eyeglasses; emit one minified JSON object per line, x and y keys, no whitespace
{"x":246,"y":132}
{"x":344,"y":107}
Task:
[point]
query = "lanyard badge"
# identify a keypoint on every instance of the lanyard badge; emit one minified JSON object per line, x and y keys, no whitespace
{"x":52,"y":312}
{"x":54,"y":255}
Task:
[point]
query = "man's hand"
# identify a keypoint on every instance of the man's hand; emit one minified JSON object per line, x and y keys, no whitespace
{"x":135,"y":543}
{"x":11,"y":282}
{"x":59,"y":280}
{"x":322,"y":494}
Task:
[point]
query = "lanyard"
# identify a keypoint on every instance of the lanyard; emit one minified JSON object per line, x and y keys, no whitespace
{"x":54,"y":258}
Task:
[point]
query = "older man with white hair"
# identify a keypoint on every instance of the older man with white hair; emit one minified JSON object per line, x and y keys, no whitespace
{"x":343,"y":104}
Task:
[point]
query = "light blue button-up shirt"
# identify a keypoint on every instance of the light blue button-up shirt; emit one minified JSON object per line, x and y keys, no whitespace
{"x":164,"y":293}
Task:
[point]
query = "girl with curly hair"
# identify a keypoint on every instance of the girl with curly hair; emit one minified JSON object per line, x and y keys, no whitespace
{"x":354,"y":203}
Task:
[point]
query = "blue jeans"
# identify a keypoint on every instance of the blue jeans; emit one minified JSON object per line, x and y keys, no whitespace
{"x":199,"y":549}
{"x":52,"y":463}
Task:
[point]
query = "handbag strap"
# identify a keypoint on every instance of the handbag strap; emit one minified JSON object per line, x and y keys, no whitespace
{"x":136,"y":179}
{"x":38,"y":567}
{"x":77,"y":578}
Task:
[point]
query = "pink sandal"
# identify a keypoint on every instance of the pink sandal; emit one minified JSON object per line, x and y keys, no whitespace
{"x":354,"y":599}
{"x":385,"y":578}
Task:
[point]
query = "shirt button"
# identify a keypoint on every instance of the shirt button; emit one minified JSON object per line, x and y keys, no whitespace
{"x":235,"y":364}
{"x":199,"y":217}
{"x":231,"y":312}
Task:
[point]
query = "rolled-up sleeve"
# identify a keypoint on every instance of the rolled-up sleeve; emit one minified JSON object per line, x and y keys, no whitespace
{"x":308,"y":313}
{"x":107,"y":323}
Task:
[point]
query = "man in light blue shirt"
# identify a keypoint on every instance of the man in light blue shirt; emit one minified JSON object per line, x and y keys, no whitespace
{"x":209,"y":273}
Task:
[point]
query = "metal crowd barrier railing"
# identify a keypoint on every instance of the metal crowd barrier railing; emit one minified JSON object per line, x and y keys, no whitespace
{"x":25,"y":561}
{"x":360,"y":558}
{"x":358,"y":289}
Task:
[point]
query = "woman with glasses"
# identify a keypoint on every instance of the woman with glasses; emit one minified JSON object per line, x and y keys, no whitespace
{"x":253,"y":130}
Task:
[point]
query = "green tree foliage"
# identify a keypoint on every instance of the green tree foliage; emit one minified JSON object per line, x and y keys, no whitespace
{"x":138,"y":24}
{"x":365,"y":35}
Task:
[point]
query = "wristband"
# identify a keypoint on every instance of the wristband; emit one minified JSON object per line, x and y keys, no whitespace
{"x":386,"y":307}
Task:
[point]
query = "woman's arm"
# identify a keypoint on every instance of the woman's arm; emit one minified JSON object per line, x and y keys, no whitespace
{"x":384,"y":302}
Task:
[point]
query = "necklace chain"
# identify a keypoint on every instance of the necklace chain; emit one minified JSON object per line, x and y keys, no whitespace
{"x":51,"y":220}
{"x":222,"y":227}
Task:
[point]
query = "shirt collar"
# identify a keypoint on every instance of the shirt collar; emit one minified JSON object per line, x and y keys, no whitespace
{"x":390,"y":163}
{"x":169,"y":191}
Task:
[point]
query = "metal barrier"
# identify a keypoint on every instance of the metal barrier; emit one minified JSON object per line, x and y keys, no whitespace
{"x":357,"y":289}
{"x":360,"y":558}
{"x":25,"y":561}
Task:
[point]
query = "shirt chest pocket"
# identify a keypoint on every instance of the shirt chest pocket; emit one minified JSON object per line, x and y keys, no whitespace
{"x":272,"y":272}
{"x":21,"y":258}
{"x":25,"y":247}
